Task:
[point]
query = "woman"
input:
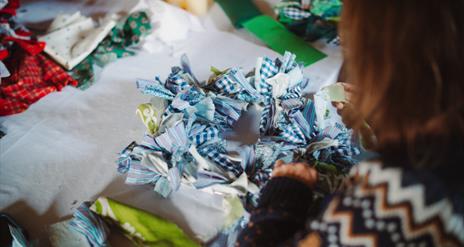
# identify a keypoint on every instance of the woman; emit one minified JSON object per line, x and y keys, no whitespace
{"x":405,"y":60}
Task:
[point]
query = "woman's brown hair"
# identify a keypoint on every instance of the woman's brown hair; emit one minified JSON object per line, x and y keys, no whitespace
{"x":407,"y":59}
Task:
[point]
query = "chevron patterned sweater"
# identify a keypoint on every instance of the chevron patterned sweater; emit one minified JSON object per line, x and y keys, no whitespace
{"x":380,"y":206}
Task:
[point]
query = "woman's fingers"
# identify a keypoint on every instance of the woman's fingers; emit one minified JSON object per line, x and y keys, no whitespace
{"x":348,"y":87}
{"x":299,"y":171}
{"x":278,"y":163}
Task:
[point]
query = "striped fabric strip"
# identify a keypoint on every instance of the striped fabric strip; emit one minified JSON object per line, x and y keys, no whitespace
{"x":173,"y":138}
{"x":90,"y":225}
{"x":139,"y":174}
{"x":239,"y":77}
{"x":290,"y":104}
{"x":305,"y":127}
{"x":266,"y":116}
{"x":296,"y":91}
{"x":228,"y":108}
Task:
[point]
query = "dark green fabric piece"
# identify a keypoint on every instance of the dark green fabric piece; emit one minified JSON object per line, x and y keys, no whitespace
{"x":124,"y":36}
{"x":278,"y":38}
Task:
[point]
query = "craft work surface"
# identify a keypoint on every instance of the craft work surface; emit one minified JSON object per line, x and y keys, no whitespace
{"x":62,"y":150}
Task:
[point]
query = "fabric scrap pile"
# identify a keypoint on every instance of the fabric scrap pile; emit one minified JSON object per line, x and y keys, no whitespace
{"x":76,"y":42}
{"x":31,"y":75}
{"x":188,"y":120}
{"x":311,"y":19}
{"x":82,"y":46}
{"x":92,"y":224}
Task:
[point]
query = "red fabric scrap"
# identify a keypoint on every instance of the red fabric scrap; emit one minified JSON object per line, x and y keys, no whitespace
{"x":32,"y":77}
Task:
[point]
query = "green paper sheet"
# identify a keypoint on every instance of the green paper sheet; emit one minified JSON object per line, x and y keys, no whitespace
{"x":279,"y":39}
{"x":239,"y":11}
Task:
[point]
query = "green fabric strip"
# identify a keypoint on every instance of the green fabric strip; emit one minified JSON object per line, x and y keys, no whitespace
{"x":239,"y":11}
{"x":143,"y":228}
{"x":278,"y":38}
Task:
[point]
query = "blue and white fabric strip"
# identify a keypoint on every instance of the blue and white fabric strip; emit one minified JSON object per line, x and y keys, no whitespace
{"x":229,"y":108}
{"x":267,"y":69}
{"x":139,"y":174}
{"x":295,"y":13}
{"x":306,"y":128}
{"x":199,"y":115}
{"x":216,"y":155}
{"x":238,"y":77}
{"x":292,"y":133}
{"x":125,"y":159}
{"x":290,"y":104}
{"x":296,"y":91}
{"x":173,"y":138}
{"x":176,"y":81}
{"x":154,"y":88}
{"x":266,"y":116}
{"x":288,"y":63}
{"x":226,"y":85}
{"x":90,"y":225}
{"x":204,"y":134}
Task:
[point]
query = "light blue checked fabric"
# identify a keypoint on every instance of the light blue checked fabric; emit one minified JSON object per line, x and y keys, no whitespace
{"x":90,"y":225}
{"x":268,"y":70}
{"x":292,"y":133}
{"x":177,"y":80}
{"x":202,"y":134}
{"x":215,"y":154}
{"x":226,"y":84}
{"x":233,"y":83}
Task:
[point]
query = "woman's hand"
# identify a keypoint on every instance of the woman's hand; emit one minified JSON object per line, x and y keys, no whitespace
{"x":298,"y":171}
{"x":350,"y":116}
